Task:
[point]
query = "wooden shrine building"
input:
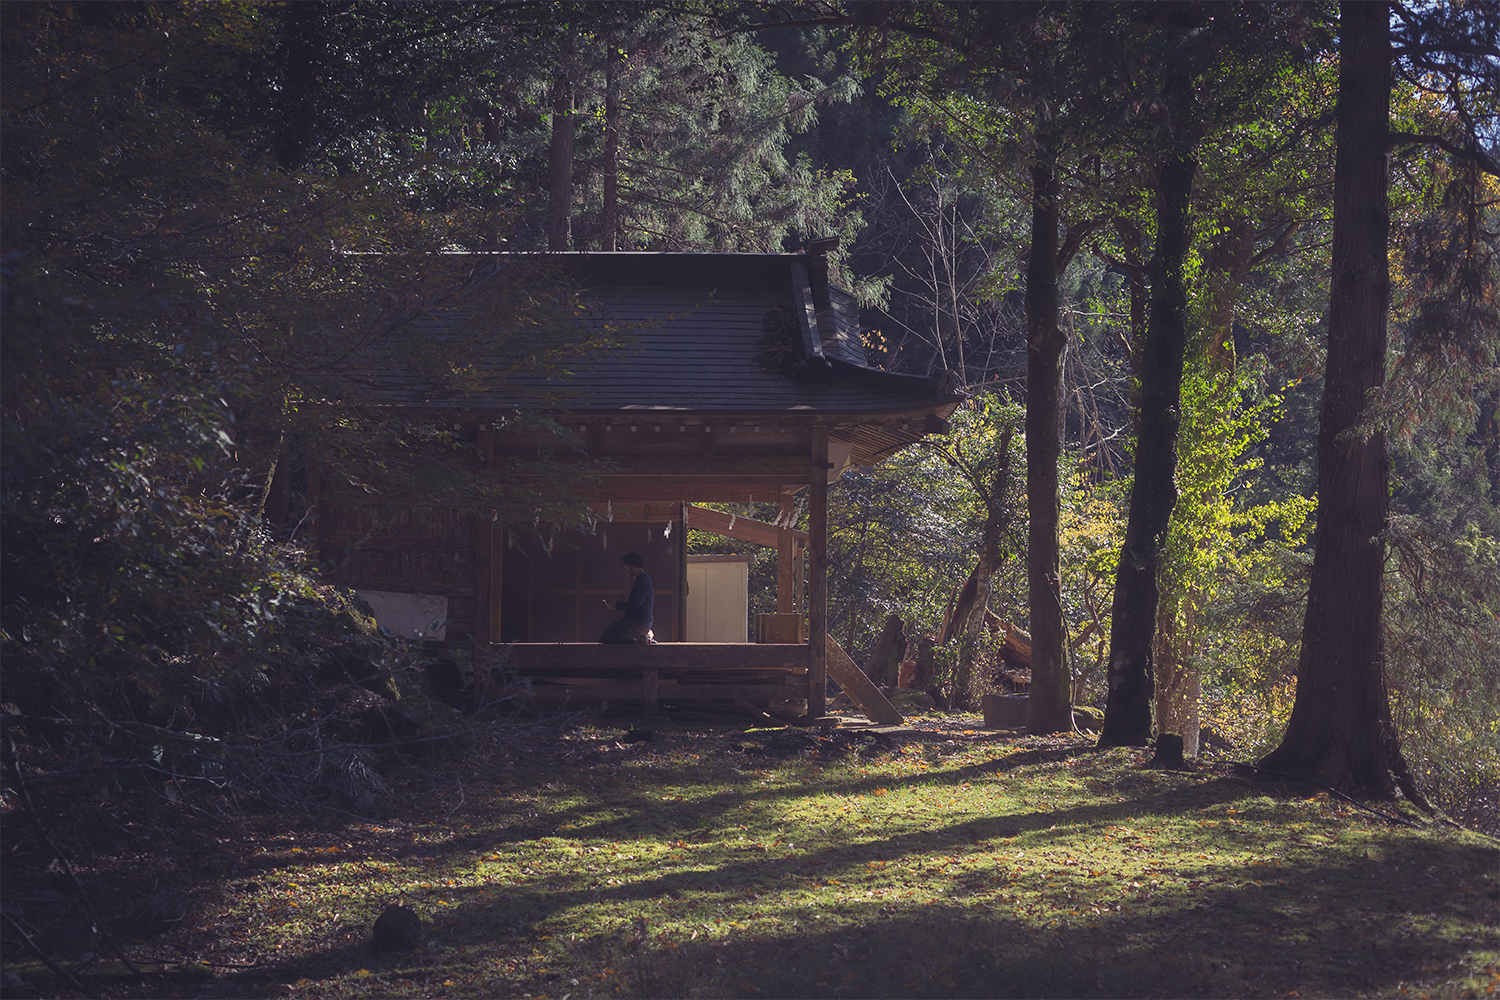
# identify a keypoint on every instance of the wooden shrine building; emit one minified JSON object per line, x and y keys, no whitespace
{"x":746,"y":379}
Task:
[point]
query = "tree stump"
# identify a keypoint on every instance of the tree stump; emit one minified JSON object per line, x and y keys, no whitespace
{"x":1168,"y":753}
{"x":398,"y":928}
{"x":908,"y":674}
{"x":926,"y":659}
{"x":890,"y":650}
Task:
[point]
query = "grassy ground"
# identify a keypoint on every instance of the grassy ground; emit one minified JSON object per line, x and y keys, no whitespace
{"x":565,"y":863}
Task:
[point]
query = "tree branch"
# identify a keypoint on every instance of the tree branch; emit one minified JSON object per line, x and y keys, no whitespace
{"x":13,"y":766}
{"x":1098,"y":250}
{"x":788,"y":20}
{"x":1277,"y":246}
{"x":1473,"y":154}
{"x":1073,"y":242}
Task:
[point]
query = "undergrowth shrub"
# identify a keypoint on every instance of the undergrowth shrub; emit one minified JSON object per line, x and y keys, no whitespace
{"x":149,"y":622}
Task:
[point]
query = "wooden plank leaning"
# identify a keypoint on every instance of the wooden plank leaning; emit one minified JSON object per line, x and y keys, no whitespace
{"x":859,"y":688}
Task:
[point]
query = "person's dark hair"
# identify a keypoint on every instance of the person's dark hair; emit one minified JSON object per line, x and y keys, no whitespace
{"x":633,"y":559}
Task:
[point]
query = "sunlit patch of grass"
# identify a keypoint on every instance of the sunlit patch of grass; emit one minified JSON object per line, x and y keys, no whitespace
{"x":709,"y":865}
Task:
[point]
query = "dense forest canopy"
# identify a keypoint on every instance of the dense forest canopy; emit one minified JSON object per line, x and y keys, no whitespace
{"x":1121,"y":229}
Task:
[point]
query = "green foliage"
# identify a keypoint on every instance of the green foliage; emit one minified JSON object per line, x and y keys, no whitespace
{"x":703,"y":164}
{"x":1213,"y":539}
{"x":179,"y":318}
{"x":981,"y":447}
{"x":914,"y":519}
{"x":1089,"y":536}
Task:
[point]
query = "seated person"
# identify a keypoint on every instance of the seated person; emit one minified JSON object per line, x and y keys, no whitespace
{"x":636,"y":625}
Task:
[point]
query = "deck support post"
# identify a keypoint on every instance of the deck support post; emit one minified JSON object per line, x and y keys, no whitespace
{"x":817,"y":574}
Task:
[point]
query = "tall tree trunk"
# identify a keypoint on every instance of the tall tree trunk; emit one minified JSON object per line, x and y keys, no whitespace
{"x":1130,"y":240}
{"x":1153,"y":494}
{"x":1050,"y":708}
{"x":990,"y":559}
{"x":277,"y":493}
{"x":1228,"y":266}
{"x":1178,"y":683}
{"x":491,"y":119}
{"x":611,"y":221}
{"x":1340,"y":732}
{"x":560,"y":158}
{"x":297,"y":103}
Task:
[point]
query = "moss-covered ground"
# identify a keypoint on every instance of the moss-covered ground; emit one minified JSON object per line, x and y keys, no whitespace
{"x":564,"y":862}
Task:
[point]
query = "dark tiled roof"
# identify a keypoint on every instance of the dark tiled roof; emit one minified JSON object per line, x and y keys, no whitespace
{"x":698,"y":324}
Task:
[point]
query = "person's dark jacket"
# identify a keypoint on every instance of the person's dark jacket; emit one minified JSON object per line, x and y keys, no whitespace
{"x":637,"y":606}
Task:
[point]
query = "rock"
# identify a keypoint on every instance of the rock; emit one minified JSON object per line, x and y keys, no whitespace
{"x":1088,"y":719}
{"x":15,"y":986}
{"x":1004,"y":711}
{"x":162,"y":910}
{"x":910,"y":700}
{"x":398,"y":928}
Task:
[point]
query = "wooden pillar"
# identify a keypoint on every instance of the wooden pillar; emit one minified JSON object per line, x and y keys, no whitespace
{"x":682,"y":583}
{"x":817,"y":574}
{"x":484,"y":577}
{"x":786,"y":571}
{"x":650,"y":700}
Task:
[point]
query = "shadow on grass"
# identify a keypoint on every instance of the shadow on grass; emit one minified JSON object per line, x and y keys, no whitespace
{"x":1319,"y":921}
{"x":635,"y":794}
{"x":1246,"y":941}
{"x":645,"y":813}
{"x":1350,"y":928}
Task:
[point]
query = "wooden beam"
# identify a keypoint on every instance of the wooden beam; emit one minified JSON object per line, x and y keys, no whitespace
{"x":622,"y":691}
{"x":807,"y":316}
{"x":644,"y":512}
{"x":654,"y":489}
{"x":817,"y":570}
{"x":572,"y":656}
{"x":791,"y":467}
{"x":771,"y":420}
{"x":860,"y":689}
{"x":744,"y":529}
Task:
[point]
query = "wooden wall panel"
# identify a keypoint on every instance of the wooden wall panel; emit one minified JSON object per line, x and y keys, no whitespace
{"x":558,"y":596}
